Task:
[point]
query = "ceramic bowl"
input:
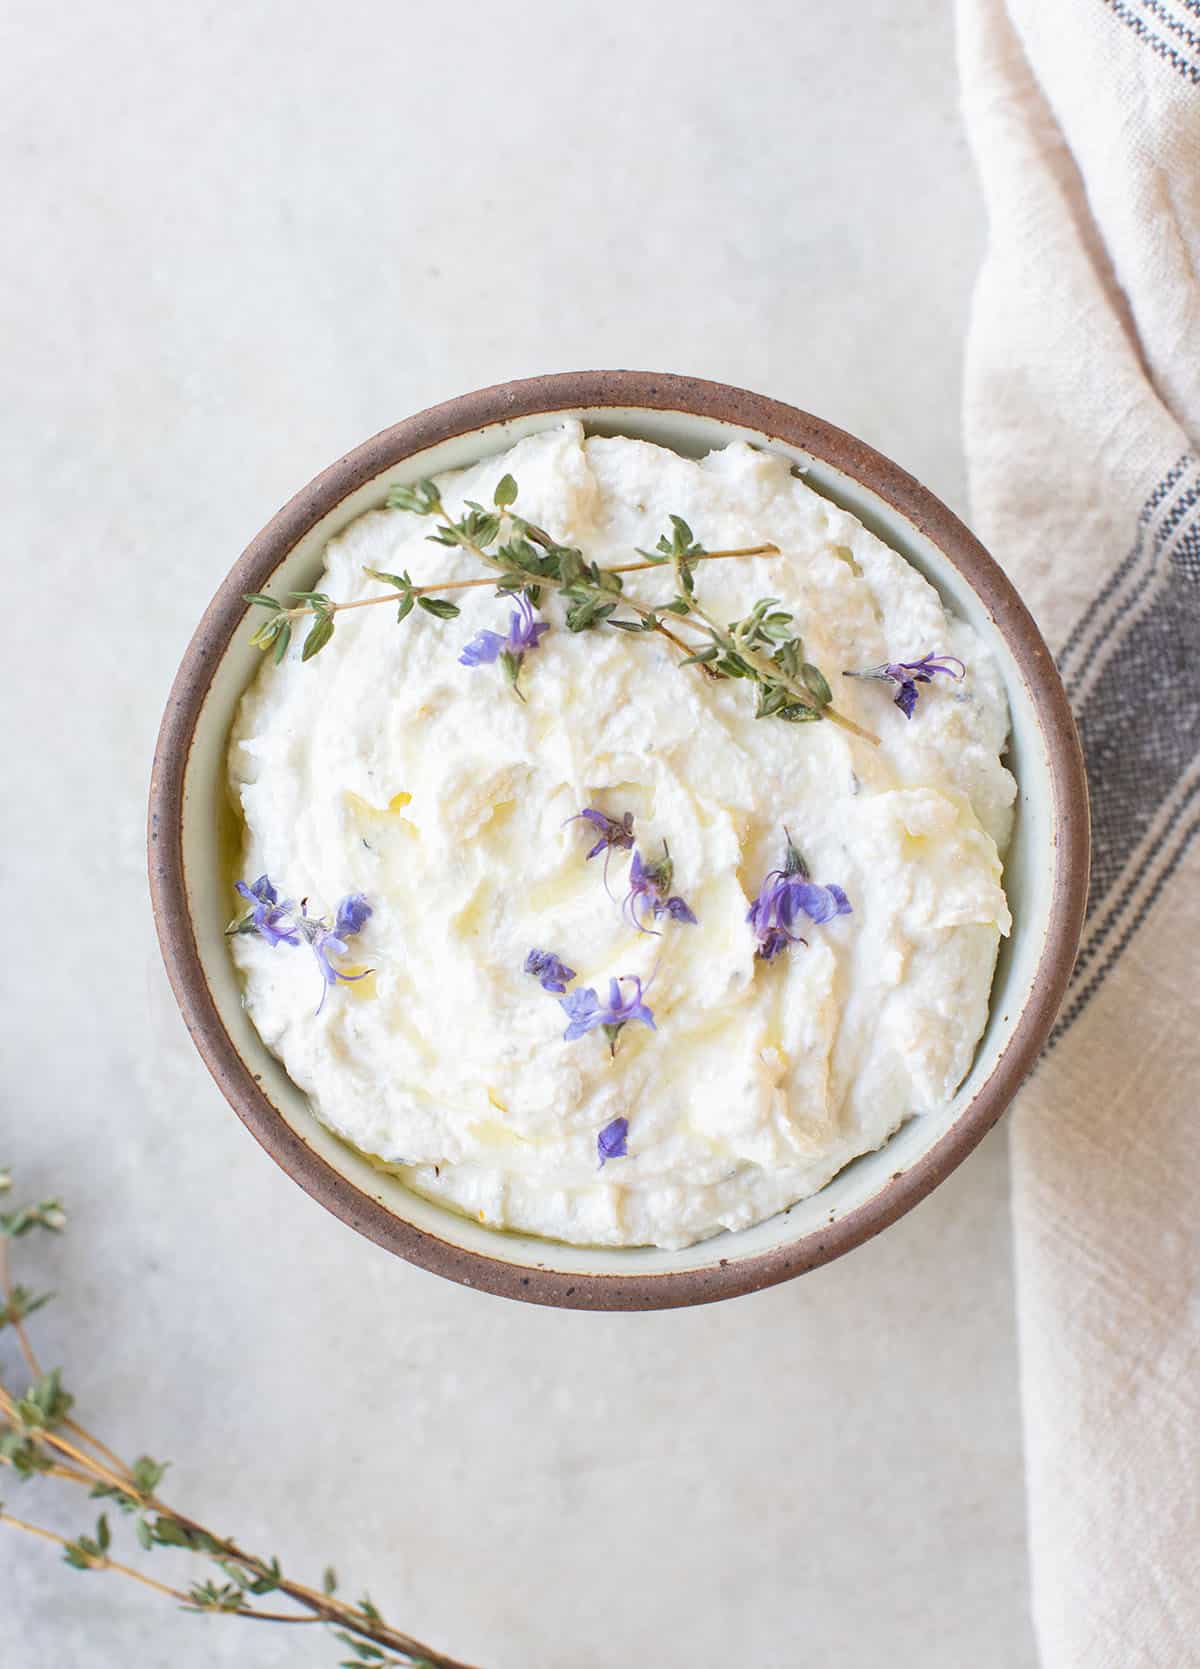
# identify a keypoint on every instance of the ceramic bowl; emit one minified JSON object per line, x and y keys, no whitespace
{"x":193,"y":842}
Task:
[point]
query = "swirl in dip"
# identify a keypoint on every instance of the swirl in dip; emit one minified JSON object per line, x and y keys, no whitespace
{"x":385,"y":767}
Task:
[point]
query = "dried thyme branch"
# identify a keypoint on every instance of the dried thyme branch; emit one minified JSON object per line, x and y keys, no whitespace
{"x":32,"y":1440}
{"x":529,"y":559}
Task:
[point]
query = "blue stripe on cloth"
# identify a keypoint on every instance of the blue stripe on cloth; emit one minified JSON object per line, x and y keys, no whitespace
{"x":1163,"y":49}
{"x":1161,"y":491}
{"x":1077,"y":1005}
{"x":1139,"y":725}
{"x":1172,"y":23}
{"x":1147,"y":860}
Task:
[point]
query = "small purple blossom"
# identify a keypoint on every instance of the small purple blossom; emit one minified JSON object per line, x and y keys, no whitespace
{"x":328,"y":942}
{"x":614,"y":835}
{"x":649,"y":895}
{"x":612,"y":1141}
{"x":524,"y":633}
{"x":585,"y":1012}
{"x":286,"y":923}
{"x":553,"y":974}
{"x":353,"y":913}
{"x":679,"y":911}
{"x":906,"y":675}
{"x":268,"y":917}
{"x":785,"y":896}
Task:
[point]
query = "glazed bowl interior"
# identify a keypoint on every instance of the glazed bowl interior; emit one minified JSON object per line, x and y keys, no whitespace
{"x":210,"y":840}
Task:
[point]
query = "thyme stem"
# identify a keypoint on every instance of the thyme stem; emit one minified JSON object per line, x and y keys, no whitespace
{"x":470,"y":585}
{"x":100,"y":1562}
{"x":324,"y":1608}
{"x":27,"y":1350}
{"x":594,"y":592}
{"x":775,"y":674}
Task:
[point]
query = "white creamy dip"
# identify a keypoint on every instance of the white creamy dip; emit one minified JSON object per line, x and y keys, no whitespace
{"x":384,"y":767}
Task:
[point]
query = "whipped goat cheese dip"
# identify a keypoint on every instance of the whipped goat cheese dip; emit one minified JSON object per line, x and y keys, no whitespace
{"x":386,"y":768}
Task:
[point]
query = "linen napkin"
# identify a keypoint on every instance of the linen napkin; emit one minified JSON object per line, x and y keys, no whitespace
{"x":1082,"y":414}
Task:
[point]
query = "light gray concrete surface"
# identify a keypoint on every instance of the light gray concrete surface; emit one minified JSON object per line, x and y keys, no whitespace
{"x":239,"y":240}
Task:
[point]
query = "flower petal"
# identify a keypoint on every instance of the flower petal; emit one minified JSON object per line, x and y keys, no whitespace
{"x":483,"y":648}
{"x":552,"y":973}
{"x":679,"y":911}
{"x":906,"y":698}
{"x":612,"y":1142}
{"x":353,"y":913}
{"x":583,"y":1011}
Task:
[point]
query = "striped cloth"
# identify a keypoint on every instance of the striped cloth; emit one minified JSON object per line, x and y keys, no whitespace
{"x":1082,"y":428}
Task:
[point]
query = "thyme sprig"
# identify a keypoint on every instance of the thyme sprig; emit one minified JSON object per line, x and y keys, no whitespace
{"x":532,"y":559}
{"x":40,"y":1439}
{"x":525,"y":558}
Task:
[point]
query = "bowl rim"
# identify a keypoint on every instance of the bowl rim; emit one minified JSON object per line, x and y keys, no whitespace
{"x":547,"y":395}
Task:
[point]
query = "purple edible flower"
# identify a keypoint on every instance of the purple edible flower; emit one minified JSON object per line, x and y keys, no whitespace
{"x":906,"y":675}
{"x":524,"y":634}
{"x":327,"y":942}
{"x":268,"y":916}
{"x":649,"y":887}
{"x":353,"y":913}
{"x":279,"y":924}
{"x":553,"y":974}
{"x":614,"y":835}
{"x":585,"y":1012}
{"x":784,"y":896}
{"x":611,"y":1143}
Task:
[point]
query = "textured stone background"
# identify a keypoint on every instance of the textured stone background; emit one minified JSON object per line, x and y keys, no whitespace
{"x":239,"y":240}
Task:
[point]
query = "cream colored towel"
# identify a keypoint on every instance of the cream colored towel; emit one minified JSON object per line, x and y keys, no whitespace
{"x":1083,"y":429}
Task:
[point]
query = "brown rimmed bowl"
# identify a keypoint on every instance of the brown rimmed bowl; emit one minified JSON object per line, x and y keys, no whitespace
{"x":192,"y":843}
